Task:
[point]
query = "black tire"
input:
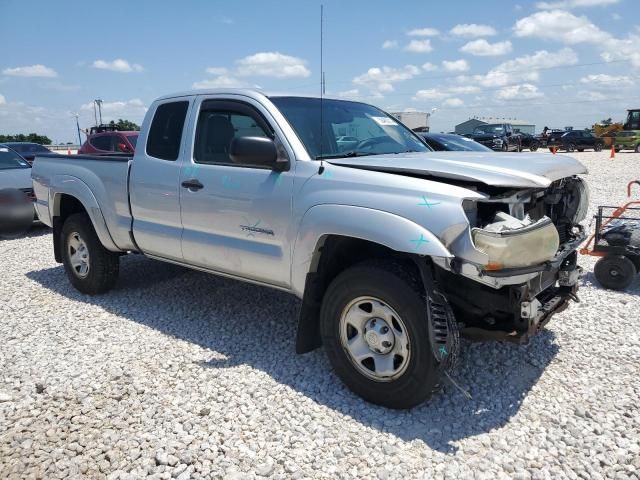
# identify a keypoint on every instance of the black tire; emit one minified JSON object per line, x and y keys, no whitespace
{"x":571,"y":147}
{"x":533,"y":148}
{"x":637,"y":149}
{"x":615,"y":272}
{"x":597,"y":148}
{"x":617,"y":150}
{"x":387,"y":282}
{"x":580,"y":149}
{"x":505,"y":147}
{"x":103,"y":265}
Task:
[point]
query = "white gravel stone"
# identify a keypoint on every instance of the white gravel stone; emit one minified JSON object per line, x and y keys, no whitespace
{"x":177,"y":373}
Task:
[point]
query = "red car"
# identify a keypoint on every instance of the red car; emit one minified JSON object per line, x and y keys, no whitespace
{"x":110,"y":142}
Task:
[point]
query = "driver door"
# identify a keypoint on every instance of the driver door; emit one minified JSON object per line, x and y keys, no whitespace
{"x":237,"y":217}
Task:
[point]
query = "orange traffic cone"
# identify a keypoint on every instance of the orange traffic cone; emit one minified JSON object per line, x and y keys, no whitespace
{"x":613,"y":152}
{"x":68,"y":151}
{"x":554,"y":149}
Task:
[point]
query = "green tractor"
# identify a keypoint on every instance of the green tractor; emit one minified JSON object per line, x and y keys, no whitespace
{"x":629,"y":138}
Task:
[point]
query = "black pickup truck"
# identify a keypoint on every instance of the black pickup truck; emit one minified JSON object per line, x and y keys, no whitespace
{"x":497,"y":136}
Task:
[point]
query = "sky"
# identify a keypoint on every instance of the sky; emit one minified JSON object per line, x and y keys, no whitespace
{"x":555,"y":63}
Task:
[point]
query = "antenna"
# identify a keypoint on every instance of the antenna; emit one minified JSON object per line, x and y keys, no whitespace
{"x":321,"y":169}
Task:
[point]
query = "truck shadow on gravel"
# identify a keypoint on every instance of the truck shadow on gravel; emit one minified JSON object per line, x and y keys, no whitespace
{"x":255,"y":326}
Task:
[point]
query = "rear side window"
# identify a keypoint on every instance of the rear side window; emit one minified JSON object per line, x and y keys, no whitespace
{"x":102,"y":142}
{"x":166,"y":130}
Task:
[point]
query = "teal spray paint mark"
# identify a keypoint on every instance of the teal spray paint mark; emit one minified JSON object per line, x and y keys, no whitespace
{"x":228,"y":182}
{"x":191,"y":171}
{"x":443,"y":350}
{"x":420,"y":241}
{"x":426,"y":203}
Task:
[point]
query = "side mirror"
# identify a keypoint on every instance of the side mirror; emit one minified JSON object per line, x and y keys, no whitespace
{"x":256,"y":151}
{"x":122,"y":147}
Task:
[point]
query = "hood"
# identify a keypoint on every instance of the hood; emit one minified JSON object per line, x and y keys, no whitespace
{"x":15,"y":178}
{"x":522,"y":170}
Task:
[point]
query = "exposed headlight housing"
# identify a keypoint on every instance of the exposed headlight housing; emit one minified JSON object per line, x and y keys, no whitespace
{"x":497,"y":141}
{"x":512,"y":243}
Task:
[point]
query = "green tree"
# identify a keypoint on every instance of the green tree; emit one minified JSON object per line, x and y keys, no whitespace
{"x":31,"y":137}
{"x":126,"y":125}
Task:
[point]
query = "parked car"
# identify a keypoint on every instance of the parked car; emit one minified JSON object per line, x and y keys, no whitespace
{"x":105,"y":143}
{"x":627,"y":140}
{"x":386,"y":244}
{"x":345,"y":142}
{"x":452,"y":142}
{"x":572,"y":140}
{"x":15,"y":174}
{"x":528,"y":141}
{"x":497,"y":136}
{"x":27,"y":150}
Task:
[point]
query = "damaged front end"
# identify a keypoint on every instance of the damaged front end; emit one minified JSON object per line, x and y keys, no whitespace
{"x":518,"y":262}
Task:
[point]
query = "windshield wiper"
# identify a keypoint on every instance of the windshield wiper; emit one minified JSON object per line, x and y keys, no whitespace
{"x":345,"y":155}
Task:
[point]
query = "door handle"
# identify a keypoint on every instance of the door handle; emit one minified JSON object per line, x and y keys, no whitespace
{"x":192,"y":184}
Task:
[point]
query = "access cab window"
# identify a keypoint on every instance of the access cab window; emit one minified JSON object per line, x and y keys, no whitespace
{"x":166,"y":128}
{"x":102,"y":142}
{"x":219,"y":123}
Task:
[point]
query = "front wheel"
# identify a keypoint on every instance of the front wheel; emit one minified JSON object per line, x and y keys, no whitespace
{"x":571,"y":147}
{"x":597,"y":148}
{"x":637,"y":149}
{"x":533,"y":148}
{"x":615,"y":272}
{"x":374,"y":329}
{"x":91,"y":268}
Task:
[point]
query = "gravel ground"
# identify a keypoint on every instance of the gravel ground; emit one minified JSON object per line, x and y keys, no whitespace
{"x":180,"y":374}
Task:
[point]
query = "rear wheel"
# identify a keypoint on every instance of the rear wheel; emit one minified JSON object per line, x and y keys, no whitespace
{"x":91,"y":268}
{"x":581,"y":149}
{"x":571,"y":147}
{"x":597,"y":148}
{"x":374,"y":330}
{"x":615,"y":272}
{"x":505,"y":147}
{"x":533,"y":147}
{"x":637,"y":149}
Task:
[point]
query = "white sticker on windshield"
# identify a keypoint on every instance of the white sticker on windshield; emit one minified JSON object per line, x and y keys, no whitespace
{"x":4,"y":149}
{"x":383,"y":120}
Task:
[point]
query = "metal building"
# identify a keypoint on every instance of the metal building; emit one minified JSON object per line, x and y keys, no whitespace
{"x":519,"y":125}
{"x":416,"y":121}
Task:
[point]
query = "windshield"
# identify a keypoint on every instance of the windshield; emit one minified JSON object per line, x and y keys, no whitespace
{"x":10,"y":159}
{"x":133,"y":139}
{"x":456,"y":143}
{"x":349,"y":128}
{"x":489,"y":130}
{"x":28,"y":148}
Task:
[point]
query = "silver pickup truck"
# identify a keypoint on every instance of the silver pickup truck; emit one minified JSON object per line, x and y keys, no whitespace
{"x":395,"y":250}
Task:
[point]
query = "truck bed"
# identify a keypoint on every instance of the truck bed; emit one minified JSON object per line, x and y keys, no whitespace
{"x":101,"y":181}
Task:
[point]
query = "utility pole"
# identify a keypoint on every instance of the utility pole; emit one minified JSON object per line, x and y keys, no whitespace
{"x":99,"y":103}
{"x":78,"y":127}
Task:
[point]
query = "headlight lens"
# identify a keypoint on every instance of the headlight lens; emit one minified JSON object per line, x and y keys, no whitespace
{"x":582,"y":189}
{"x":531,"y":245}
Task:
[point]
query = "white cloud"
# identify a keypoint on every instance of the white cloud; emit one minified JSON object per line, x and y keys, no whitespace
{"x":350,"y":94}
{"x":431,"y":94}
{"x":525,"y":68}
{"x":464,"y":90}
{"x":482,"y":48}
{"x":526,"y":91}
{"x":473,"y":30}
{"x":453,"y":102}
{"x":3,"y":100}
{"x":593,"y":96}
{"x":382,"y":79}
{"x":560,"y":25}
{"x":455,"y":65}
{"x":604,"y":80}
{"x":423,"y":32}
{"x":575,"y":4}
{"x":221,"y":81}
{"x":133,"y":108}
{"x":419,"y":46}
{"x":272,"y":64}
{"x":390,"y":44}
{"x":30,"y":71}
{"x":118,"y":65}
{"x":217,"y":71}
{"x":429,"y":67}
